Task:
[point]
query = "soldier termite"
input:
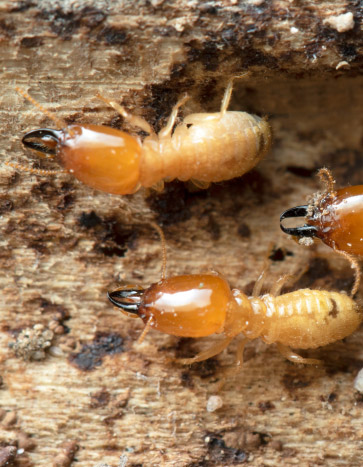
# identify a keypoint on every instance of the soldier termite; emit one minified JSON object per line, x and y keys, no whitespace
{"x":203,"y":148}
{"x":199,"y":305}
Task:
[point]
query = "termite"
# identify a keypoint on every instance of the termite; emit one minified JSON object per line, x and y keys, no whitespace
{"x":204,"y":148}
{"x":334,"y":216}
{"x":199,"y":305}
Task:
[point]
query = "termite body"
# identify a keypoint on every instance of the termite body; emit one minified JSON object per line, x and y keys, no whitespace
{"x":203,"y":304}
{"x":204,"y":148}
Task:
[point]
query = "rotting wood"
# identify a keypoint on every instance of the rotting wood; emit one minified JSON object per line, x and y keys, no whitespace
{"x":64,"y":245}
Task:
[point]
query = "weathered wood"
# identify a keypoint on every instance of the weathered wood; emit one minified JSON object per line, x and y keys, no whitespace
{"x":63,"y":245}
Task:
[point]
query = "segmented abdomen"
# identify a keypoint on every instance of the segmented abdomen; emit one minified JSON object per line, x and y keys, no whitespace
{"x":309,"y":318}
{"x":207,"y":148}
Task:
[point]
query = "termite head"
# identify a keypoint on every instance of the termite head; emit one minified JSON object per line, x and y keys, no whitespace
{"x":129,"y":299}
{"x":101,"y":157}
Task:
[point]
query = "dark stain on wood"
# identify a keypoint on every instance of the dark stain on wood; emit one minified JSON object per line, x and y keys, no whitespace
{"x":91,"y":354}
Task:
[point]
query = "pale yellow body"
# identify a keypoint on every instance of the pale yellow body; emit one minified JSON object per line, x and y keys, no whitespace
{"x":206,"y":148}
{"x":304,"y":319}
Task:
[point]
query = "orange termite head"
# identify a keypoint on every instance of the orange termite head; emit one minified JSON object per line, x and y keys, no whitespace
{"x":194,"y":305}
{"x":99,"y":156}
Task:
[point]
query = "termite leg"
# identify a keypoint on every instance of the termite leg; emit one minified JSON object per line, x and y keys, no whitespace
{"x":277,"y":287}
{"x":166,"y":131}
{"x":294,"y":357}
{"x":292,"y":278}
{"x":132,"y":119}
{"x":158,"y":186}
{"x":199,"y":184}
{"x":234,"y":370}
{"x":211,"y":352}
{"x":227,"y":97}
{"x":261,"y":278}
{"x":163,"y":248}
{"x":239,"y":353}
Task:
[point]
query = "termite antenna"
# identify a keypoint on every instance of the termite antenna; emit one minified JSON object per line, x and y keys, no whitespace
{"x":327,"y":179}
{"x":25,"y":168}
{"x":357,"y":272}
{"x":163,"y":248}
{"x":132,"y":119}
{"x":60,"y":123}
{"x":145,"y":330}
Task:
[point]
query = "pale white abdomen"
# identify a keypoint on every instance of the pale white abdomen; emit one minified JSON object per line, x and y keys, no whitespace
{"x":305,"y":318}
{"x":208,"y":148}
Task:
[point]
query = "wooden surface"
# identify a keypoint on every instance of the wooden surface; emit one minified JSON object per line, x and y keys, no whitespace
{"x":63,"y":245}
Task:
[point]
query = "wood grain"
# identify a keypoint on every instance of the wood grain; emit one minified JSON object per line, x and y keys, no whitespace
{"x":63,"y":245}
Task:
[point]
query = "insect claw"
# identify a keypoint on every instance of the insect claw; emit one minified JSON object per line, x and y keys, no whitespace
{"x":297,"y":211}
{"x":47,"y":134}
{"x":127,"y":299}
{"x":112,"y":297}
{"x":305,"y":230}
{"x":302,"y":231}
